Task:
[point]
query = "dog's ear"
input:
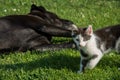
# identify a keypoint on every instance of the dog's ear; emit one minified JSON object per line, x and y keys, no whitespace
{"x":42,"y":9}
{"x":37,"y":8}
{"x":33,"y":7}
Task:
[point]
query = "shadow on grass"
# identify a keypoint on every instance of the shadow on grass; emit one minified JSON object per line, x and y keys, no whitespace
{"x":59,"y":62}
{"x":54,"y":62}
{"x":109,"y":61}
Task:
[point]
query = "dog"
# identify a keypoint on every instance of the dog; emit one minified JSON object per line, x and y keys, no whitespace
{"x":33,"y":31}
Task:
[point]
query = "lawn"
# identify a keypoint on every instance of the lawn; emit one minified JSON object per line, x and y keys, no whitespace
{"x":63,"y":64}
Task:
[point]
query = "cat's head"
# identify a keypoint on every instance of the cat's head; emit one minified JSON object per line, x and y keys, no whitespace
{"x":82,"y":36}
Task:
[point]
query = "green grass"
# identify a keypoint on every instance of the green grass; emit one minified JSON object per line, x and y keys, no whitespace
{"x":63,"y":64}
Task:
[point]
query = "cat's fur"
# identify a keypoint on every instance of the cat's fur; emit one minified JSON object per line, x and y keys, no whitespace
{"x":93,"y":45}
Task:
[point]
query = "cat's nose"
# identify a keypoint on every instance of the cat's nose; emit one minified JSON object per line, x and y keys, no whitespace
{"x":81,"y":45}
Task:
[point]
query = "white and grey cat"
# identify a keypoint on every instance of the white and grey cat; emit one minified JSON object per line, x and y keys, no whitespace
{"x":93,"y":45}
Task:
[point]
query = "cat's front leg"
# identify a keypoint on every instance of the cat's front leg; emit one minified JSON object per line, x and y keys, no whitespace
{"x":83,"y":61}
{"x":81,"y":67}
{"x":83,"y":64}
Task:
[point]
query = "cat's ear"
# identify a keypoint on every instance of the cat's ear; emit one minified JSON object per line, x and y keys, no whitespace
{"x":89,"y":30}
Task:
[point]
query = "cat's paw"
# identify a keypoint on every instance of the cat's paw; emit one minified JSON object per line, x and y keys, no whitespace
{"x":119,"y":69}
{"x":79,"y":72}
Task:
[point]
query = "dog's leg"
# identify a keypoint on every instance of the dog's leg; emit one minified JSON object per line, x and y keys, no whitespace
{"x":49,"y":47}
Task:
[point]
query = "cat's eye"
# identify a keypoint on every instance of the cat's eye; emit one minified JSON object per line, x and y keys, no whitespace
{"x":77,"y":39}
{"x":73,"y":36}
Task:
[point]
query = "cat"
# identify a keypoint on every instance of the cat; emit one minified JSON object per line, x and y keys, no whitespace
{"x":93,"y":45}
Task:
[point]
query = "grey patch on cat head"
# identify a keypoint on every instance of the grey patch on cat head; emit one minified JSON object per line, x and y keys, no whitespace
{"x":107,"y":30}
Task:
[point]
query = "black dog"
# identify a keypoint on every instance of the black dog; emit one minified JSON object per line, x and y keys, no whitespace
{"x":33,"y":31}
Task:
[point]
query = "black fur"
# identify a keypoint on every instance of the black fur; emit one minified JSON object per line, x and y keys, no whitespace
{"x":32,"y":31}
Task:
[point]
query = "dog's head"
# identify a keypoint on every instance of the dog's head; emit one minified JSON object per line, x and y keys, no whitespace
{"x":51,"y":18}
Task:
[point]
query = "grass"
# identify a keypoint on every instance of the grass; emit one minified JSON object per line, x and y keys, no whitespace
{"x":63,"y":64}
